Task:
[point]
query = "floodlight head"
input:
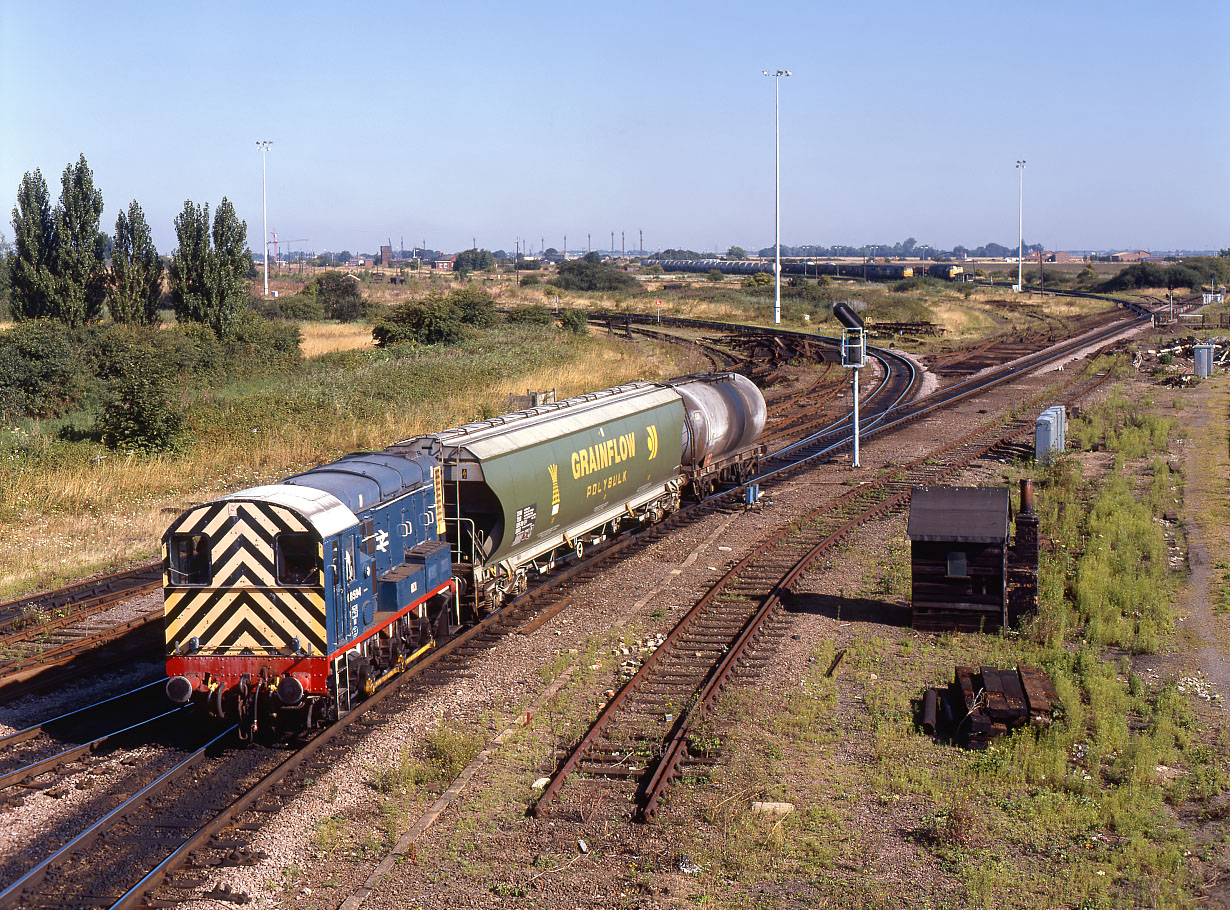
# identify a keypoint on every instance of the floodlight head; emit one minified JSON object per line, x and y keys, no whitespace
{"x":764,"y":72}
{"x":847,"y":316}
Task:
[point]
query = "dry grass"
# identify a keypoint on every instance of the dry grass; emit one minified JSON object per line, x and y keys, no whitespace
{"x":64,"y":517}
{"x":329,"y":337}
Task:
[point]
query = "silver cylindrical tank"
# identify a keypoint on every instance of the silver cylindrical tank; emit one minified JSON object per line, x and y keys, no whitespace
{"x":722,"y":414}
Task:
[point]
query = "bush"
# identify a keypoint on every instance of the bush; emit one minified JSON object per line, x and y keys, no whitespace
{"x":530,"y":280}
{"x":138,"y":413}
{"x":434,"y":320}
{"x":759,"y":280}
{"x":259,"y":346}
{"x":301,"y":307}
{"x":918,"y":283}
{"x":714,"y":275}
{"x":1154,"y":275}
{"x":535,"y":314}
{"x":44,"y":369}
{"x":474,"y":306}
{"x":590,"y":273}
{"x":574,"y":321}
{"x":340,"y":297}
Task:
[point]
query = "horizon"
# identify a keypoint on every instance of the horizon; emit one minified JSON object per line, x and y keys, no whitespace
{"x":478,"y":125}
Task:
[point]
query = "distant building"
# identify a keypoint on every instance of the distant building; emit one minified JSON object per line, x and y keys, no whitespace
{"x":444,"y":263}
{"x":1130,"y":256}
{"x":386,"y":256}
{"x":1061,"y":256}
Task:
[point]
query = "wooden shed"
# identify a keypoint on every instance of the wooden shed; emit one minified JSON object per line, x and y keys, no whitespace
{"x":959,"y":557}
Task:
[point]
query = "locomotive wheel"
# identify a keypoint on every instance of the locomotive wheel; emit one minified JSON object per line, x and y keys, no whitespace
{"x":367,"y":680}
{"x":215,"y":702}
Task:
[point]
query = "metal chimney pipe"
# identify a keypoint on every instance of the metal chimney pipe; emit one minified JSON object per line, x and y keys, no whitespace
{"x":1027,"y":494}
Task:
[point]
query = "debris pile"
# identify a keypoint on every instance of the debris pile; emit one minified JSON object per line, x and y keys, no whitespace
{"x":982,"y":703}
{"x":633,"y":656}
{"x":1173,"y":362}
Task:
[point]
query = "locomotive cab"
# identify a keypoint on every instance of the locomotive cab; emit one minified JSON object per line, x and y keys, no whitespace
{"x":286,"y":603}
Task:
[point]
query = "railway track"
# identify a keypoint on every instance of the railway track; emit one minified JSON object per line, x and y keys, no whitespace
{"x":188,"y":819}
{"x":646,"y":734}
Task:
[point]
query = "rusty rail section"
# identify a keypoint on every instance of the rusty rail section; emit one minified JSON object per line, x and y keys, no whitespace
{"x":701,"y":653}
{"x":63,"y":606}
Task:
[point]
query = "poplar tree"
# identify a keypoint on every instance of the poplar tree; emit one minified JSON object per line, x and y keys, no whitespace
{"x":81,"y":248}
{"x":136,"y":271}
{"x":34,"y":249}
{"x":208,"y":281}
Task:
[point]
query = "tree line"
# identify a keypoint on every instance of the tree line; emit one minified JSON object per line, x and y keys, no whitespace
{"x":57,"y":267}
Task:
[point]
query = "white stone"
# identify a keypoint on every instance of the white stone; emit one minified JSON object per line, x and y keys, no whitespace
{"x":769,"y":808}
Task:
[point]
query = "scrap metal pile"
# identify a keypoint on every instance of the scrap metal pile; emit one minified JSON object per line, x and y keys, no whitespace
{"x":1173,"y":362}
{"x":982,"y":703}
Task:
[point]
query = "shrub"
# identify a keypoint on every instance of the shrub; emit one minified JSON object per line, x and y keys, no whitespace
{"x":590,"y":273}
{"x":918,"y":283}
{"x":530,"y":280}
{"x":433,"y":320}
{"x":535,"y":314}
{"x":714,"y":275}
{"x":259,"y":346}
{"x":340,"y":297}
{"x":138,"y":414}
{"x":306,"y":306}
{"x":191,"y":348}
{"x":44,"y":370}
{"x":574,"y":321}
{"x":1154,"y":275}
{"x":474,"y":306}
{"x":759,"y":280}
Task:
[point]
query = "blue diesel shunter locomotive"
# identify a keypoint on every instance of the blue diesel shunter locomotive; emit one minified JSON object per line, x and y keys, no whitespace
{"x":287,"y":602}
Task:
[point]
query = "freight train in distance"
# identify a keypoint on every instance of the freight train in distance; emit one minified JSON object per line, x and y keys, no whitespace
{"x":879,"y":271}
{"x":286,"y":603}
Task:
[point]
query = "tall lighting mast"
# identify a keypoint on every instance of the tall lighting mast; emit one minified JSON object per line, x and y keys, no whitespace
{"x":1020,"y":253}
{"x":777,"y":193}
{"x":263,"y":145}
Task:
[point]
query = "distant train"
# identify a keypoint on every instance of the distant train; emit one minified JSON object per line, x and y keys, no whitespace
{"x":879,"y":271}
{"x":286,"y":603}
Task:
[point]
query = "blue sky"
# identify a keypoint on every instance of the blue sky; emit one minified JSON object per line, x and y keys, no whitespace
{"x":443,"y":122}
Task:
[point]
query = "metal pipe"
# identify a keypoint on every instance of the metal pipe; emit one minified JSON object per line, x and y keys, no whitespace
{"x":1027,"y":494}
{"x":856,"y":464}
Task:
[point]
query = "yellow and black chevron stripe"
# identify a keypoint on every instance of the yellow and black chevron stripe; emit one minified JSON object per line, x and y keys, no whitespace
{"x":243,"y":608}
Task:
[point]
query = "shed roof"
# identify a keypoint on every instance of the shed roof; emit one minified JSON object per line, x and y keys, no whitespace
{"x":961,"y":514}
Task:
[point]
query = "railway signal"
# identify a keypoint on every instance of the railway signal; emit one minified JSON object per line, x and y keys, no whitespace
{"x":853,"y":354}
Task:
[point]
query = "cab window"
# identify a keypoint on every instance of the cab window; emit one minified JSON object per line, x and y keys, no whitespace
{"x":296,"y":553}
{"x":189,"y":558}
{"x":368,"y":532}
